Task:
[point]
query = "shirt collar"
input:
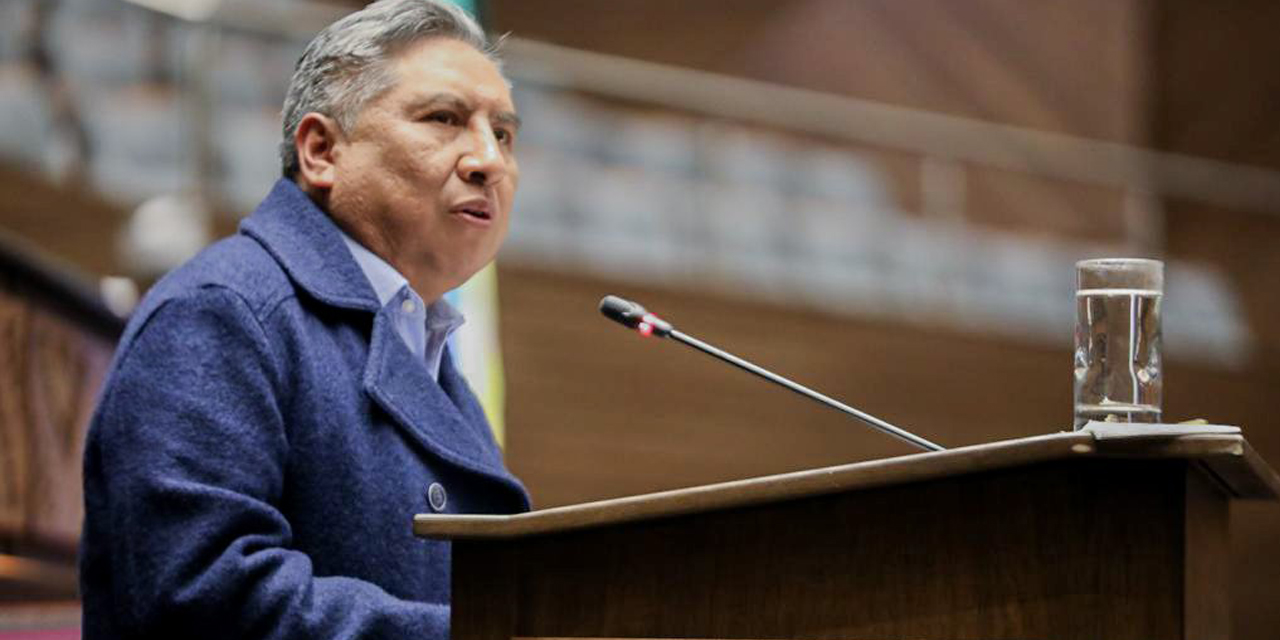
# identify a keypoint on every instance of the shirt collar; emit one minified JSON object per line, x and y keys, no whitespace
{"x":424,"y":329}
{"x":444,"y":317}
{"x":386,"y":281}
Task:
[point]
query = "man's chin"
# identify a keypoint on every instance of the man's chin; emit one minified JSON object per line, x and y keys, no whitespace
{"x":464,"y":274}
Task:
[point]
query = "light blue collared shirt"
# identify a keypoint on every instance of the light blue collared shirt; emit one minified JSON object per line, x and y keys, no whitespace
{"x":424,"y":328}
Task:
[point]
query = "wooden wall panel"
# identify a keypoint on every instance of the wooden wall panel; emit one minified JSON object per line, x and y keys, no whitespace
{"x":52,"y":371}
{"x":1076,"y":68}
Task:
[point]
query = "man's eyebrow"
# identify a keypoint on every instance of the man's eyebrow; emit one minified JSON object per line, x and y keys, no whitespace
{"x":454,"y":101}
{"x":508,"y":118}
{"x":443,"y":99}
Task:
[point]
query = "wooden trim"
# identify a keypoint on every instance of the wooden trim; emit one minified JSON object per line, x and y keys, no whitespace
{"x":1248,"y":475}
{"x":1245,"y":476}
{"x":29,"y":274}
{"x":19,"y":617}
{"x":38,"y":573}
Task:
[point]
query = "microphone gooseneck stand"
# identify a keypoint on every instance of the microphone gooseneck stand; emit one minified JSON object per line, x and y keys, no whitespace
{"x":633,"y":315}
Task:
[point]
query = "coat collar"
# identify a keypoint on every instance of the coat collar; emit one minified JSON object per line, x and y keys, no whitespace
{"x":308,"y":245}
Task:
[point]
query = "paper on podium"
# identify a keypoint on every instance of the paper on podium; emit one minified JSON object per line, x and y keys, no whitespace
{"x":1132,"y":430}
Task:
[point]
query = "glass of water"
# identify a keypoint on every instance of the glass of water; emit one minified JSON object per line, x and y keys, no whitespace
{"x":1118,"y":374}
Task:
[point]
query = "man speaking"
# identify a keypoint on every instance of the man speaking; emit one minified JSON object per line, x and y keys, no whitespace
{"x":281,"y":406}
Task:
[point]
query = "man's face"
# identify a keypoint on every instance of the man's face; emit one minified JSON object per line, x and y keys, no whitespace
{"x":427,"y":174}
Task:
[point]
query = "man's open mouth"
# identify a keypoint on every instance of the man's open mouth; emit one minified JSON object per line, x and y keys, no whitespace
{"x":476,"y":213}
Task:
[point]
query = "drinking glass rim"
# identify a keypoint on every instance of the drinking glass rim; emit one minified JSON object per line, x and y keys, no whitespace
{"x":1104,"y":262}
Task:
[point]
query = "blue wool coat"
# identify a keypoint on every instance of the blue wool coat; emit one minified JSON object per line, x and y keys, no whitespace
{"x":262,"y":443}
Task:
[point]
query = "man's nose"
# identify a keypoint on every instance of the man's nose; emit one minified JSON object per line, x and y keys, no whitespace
{"x":483,"y":162}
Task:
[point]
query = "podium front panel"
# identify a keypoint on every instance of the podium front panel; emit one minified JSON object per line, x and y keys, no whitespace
{"x":1088,"y":548}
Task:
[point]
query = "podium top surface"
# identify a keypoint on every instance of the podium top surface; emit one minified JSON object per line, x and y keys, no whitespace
{"x":1221,"y":452}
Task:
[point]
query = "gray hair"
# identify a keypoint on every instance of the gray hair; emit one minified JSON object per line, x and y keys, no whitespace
{"x":344,"y":67}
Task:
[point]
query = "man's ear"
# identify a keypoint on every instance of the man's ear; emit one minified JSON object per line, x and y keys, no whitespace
{"x":315,"y":140}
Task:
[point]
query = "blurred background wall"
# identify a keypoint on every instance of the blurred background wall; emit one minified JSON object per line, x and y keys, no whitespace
{"x":883,"y":199}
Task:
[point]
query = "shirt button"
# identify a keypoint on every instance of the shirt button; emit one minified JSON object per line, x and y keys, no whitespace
{"x":408,"y":306}
{"x":437,"y":497}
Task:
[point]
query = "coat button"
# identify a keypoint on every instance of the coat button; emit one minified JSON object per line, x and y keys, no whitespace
{"x":437,"y":497}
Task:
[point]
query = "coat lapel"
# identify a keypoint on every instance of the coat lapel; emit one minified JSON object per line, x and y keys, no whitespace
{"x":459,"y":392}
{"x":448,"y":424}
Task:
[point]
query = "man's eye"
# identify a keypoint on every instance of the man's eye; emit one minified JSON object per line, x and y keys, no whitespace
{"x":444,"y":117}
{"x":505,"y":136}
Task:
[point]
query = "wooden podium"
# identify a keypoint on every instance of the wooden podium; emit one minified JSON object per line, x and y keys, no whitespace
{"x":1115,"y":533}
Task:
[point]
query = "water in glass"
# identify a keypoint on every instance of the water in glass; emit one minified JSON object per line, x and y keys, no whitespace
{"x":1117,"y":358}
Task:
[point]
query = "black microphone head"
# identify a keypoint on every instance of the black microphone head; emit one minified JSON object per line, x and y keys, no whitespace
{"x":631,"y":314}
{"x":621,"y":311}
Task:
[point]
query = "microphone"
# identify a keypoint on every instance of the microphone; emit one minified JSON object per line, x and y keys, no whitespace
{"x":631,"y":314}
